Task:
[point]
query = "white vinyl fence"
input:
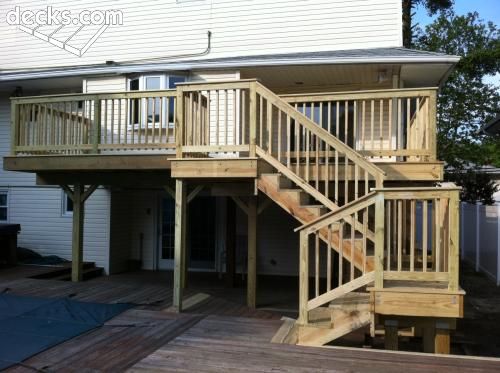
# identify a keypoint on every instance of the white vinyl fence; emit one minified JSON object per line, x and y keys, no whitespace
{"x":480,"y":238}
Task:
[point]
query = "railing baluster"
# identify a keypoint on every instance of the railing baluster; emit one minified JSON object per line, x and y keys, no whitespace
{"x":329,"y":259}
{"x":316,"y":263}
{"x":412,"y":234}
{"x":341,"y":253}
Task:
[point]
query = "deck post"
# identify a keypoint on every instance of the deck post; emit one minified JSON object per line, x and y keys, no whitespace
{"x":180,"y":243}
{"x":14,"y":135}
{"x":252,"y":253}
{"x":454,"y":256}
{"x":303,"y":278}
{"x":391,"y":335}
{"x":379,"y":240}
{"x":96,"y":130}
{"x":78,"y":196}
{"x":428,"y":336}
{"x":442,"y":338}
{"x":253,"y":119}
{"x":77,"y":242}
{"x":432,"y":129}
{"x":230,"y":242}
{"x":179,"y":122}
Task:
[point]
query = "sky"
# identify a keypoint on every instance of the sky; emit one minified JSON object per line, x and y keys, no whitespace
{"x":489,"y":10}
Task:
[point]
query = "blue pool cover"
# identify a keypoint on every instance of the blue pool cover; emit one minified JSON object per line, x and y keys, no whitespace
{"x":29,"y":325}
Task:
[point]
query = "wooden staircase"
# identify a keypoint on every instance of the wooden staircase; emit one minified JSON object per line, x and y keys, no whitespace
{"x":365,"y":232}
{"x":342,"y":316}
{"x":339,"y":214}
{"x":298,"y":203}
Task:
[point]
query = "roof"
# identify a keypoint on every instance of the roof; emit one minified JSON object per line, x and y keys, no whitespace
{"x":353,"y":56}
{"x":492,"y":128}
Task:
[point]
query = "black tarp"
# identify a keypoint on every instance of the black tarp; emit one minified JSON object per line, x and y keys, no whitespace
{"x":29,"y":325}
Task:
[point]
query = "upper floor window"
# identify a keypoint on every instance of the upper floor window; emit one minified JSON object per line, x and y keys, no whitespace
{"x":4,"y":206}
{"x":153,"y":111}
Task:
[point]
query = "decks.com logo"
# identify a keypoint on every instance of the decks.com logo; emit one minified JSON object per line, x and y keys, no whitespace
{"x":74,"y":32}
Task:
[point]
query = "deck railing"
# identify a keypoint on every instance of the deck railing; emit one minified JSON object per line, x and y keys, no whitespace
{"x":225,"y":117}
{"x":416,"y":239}
{"x":93,"y":123}
{"x":393,"y":124}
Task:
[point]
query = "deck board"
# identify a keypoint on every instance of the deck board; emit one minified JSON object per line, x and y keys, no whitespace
{"x":235,"y":344}
{"x":216,"y":334}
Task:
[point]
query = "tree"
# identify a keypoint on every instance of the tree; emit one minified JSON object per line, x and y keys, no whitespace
{"x":466,"y":101}
{"x":432,"y":6}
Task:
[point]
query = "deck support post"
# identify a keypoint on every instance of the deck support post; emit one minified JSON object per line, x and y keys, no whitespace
{"x":252,"y":252}
{"x":428,"y":336}
{"x":391,"y":335}
{"x":77,"y":241}
{"x":442,"y":338}
{"x":180,"y":243}
{"x":303,"y":279}
{"x":78,"y":196}
{"x":230,"y":242}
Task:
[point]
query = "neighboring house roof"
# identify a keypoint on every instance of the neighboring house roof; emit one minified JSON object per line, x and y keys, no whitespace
{"x":492,"y":128}
{"x":355,"y":56}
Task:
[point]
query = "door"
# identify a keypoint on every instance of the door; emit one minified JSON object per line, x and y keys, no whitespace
{"x":201,"y":234}
{"x":167,"y":234}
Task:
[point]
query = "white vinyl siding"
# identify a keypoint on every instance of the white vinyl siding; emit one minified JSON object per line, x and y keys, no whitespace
{"x":44,"y":230}
{"x":169,"y":29}
{"x":105,"y":84}
{"x":9,"y":178}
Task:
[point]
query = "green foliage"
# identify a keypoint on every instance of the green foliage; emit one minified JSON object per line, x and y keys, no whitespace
{"x":476,"y":186}
{"x":466,"y":101}
{"x":432,"y":6}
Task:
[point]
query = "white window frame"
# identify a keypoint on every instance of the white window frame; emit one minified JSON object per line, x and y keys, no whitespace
{"x":64,"y":205}
{"x":7,"y":205}
{"x":164,"y":85}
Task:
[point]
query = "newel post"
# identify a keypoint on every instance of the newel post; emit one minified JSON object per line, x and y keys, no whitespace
{"x":14,"y":127}
{"x":253,"y":119}
{"x":303,"y":278}
{"x":379,"y":239}
{"x":454,"y":239}
{"x":96,"y":130}
{"x":179,"y":121}
{"x":431,"y":126}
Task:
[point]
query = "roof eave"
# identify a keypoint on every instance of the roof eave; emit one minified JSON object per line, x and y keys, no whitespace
{"x":6,"y":76}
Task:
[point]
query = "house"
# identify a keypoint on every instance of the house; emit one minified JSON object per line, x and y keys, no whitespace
{"x":198,"y":134}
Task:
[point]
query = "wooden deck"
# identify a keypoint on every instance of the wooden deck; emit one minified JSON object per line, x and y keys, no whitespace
{"x":234,"y":344}
{"x":215,"y":333}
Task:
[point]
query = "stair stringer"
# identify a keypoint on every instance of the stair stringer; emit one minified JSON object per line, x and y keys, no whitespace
{"x":304,"y":216}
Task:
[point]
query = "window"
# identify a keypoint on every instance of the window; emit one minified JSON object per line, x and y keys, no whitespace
{"x":4,"y":206}
{"x":67,"y":205}
{"x":138,"y":113}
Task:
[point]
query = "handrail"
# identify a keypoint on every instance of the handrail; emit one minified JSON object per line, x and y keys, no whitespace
{"x":93,"y":96}
{"x":353,"y":95}
{"x":331,"y":140}
{"x":339,"y":213}
{"x":401,"y":253}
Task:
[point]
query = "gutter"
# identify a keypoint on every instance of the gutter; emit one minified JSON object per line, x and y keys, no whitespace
{"x":59,"y":72}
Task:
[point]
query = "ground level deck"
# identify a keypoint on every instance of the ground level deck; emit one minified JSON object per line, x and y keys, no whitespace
{"x":217,"y":332}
